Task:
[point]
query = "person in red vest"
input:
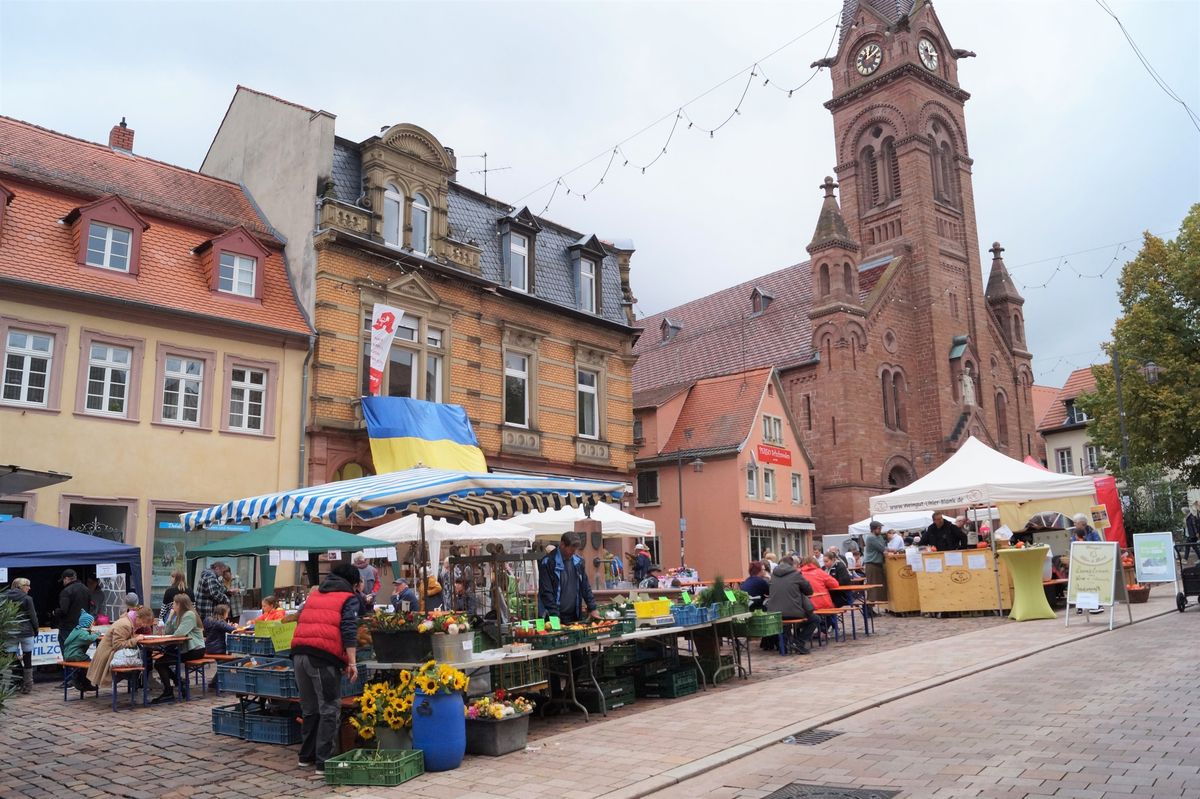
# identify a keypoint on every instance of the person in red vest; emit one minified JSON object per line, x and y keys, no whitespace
{"x":323,"y":648}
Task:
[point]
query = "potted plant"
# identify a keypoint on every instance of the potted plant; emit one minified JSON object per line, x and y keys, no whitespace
{"x":384,"y":712}
{"x":497,"y":725}
{"x":406,"y":637}
{"x":439,"y":716}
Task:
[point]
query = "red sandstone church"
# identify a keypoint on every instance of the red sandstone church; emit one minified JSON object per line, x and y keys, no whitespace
{"x":890,"y":349}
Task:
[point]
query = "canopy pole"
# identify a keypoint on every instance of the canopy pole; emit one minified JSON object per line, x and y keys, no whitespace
{"x":422,"y":567}
{"x":995,"y":557}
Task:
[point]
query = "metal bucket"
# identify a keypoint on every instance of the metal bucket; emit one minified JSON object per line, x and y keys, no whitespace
{"x":453,"y":647}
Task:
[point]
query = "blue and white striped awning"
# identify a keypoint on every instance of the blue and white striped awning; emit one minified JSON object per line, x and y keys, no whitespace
{"x":437,"y":492}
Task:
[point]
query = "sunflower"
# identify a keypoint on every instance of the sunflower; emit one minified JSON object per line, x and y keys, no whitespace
{"x":367,"y":733}
{"x":370,"y":719}
{"x":427,"y":685}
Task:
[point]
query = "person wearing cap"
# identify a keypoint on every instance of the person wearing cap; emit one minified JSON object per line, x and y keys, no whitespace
{"x":641,"y":563}
{"x":1084,"y":531}
{"x":652,"y":575}
{"x":72,"y":601}
{"x":874,"y":550}
{"x":402,"y":594}
{"x":324,"y":647}
{"x":563,"y":588}
{"x":210,"y":589}
{"x":944,"y":535}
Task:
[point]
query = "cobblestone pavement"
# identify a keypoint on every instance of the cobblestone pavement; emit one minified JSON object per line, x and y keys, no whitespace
{"x":1091,"y":720}
{"x":82,"y":749}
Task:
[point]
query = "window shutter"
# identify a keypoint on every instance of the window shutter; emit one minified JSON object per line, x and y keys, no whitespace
{"x":576,"y":265}
{"x":505,"y":256}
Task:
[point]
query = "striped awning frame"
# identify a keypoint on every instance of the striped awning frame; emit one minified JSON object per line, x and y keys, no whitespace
{"x":436,"y":492}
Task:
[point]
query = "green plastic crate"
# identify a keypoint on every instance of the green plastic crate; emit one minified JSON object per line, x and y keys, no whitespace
{"x":616,"y":693}
{"x":374,"y":767}
{"x":717,"y":670}
{"x":759,"y":625}
{"x":518,"y":675}
{"x":670,"y":685}
{"x":615,"y":658}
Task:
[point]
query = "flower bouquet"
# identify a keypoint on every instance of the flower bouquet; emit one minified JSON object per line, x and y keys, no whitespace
{"x":404,"y":637}
{"x":439,"y":721}
{"x":385,"y":711}
{"x":497,"y":725}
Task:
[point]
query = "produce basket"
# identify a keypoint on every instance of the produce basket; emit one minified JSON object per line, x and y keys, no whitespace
{"x":374,"y":767}
{"x":625,"y":625}
{"x":722,"y":609}
{"x":615,"y":657}
{"x":1138,"y":593}
{"x":653,"y":608}
{"x":235,"y":676}
{"x":274,"y":677}
{"x":671,"y":685}
{"x":687,"y":615}
{"x":759,"y":625}
{"x":245,"y":644}
{"x":652,"y":668}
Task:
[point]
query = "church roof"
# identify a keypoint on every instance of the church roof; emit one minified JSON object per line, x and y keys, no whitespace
{"x":891,"y":10}
{"x":720,"y":334}
{"x":831,"y":227}
{"x":1000,"y":286}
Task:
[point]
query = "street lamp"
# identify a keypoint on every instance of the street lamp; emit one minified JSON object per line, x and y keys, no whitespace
{"x":697,"y":466}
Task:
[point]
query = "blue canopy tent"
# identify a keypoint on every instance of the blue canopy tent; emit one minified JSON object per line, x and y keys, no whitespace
{"x":26,"y":545}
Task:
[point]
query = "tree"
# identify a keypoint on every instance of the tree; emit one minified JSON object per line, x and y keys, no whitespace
{"x":1160,"y":325}
{"x":10,"y":616}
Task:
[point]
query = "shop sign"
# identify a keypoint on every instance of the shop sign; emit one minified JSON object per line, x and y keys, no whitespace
{"x":1153,"y":557}
{"x":777,"y":455}
{"x":45,"y":648}
{"x":1100,"y":517}
{"x":1093,"y":571}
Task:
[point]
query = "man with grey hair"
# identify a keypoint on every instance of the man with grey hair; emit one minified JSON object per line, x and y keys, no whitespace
{"x":1082,"y":528}
{"x":210,"y":589}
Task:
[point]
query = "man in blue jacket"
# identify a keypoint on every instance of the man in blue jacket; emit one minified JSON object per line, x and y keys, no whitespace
{"x":563,"y":589}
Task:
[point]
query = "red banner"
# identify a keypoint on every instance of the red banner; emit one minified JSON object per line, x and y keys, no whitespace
{"x":770,"y":454}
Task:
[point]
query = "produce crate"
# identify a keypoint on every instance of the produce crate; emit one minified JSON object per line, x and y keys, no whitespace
{"x":374,"y":767}
{"x":227,"y":720}
{"x":652,"y":668}
{"x":671,"y":685}
{"x":264,"y":729}
{"x":616,"y":693}
{"x":615,"y":657}
{"x":760,"y":625}
{"x":266,"y":679}
{"x":653,"y":608}
{"x":235,"y":676}
{"x":551,"y":641}
{"x":625,"y":625}
{"x":517,"y":675}
{"x":722,"y":609}
{"x":687,"y":615}
{"x":717,"y":670}
{"x":244,"y":644}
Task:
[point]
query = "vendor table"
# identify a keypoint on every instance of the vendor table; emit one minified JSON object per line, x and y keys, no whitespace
{"x":961,"y":580}
{"x":1029,"y":594}
{"x":902,"y":595}
{"x":169,"y":646}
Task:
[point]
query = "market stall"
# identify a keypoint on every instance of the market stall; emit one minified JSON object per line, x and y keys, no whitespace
{"x":976,"y":475}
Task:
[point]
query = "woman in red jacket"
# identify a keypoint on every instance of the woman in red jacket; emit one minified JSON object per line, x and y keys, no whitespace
{"x":821,"y":582}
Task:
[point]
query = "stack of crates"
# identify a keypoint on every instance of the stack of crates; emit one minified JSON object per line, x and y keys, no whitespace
{"x":518,"y":675}
{"x":672,"y":684}
{"x":617,"y":692}
{"x":615,"y":659}
{"x":717,"y":670}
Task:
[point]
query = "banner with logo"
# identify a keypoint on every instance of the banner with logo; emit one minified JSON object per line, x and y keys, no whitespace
{"x":384,"y":321}
{"x":1154,"y":557}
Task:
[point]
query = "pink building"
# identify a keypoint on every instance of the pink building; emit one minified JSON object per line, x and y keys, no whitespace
{"x":728,"y":446}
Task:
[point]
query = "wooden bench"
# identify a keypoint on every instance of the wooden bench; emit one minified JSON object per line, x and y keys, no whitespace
{"x":837,"y":616}
{"x":131,"y":675}
{"x":223,"y":658}
{"x":784,"y":636}
{"x":196,"y":671}
{"x":69,"y":669}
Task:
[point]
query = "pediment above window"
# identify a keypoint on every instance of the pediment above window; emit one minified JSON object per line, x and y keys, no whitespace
{"x":523,"y":219}
{"x":591,"y":245}
{"x":414,"y":289}
{"x":238,"y":242}
{"x":109,"y":214}
{"x":418,"y":143}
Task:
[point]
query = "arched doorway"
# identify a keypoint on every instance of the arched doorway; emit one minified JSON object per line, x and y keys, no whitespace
{"x":899,"y":476}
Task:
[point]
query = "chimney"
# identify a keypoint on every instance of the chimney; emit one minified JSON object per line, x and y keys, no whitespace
{"x":121,"y":137}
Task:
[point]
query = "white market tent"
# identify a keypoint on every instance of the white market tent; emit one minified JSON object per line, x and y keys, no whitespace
{"x":907,"y":520}
{"x":614,"y":522}
{"x":977,"y":475}
{"x":407,"y":529}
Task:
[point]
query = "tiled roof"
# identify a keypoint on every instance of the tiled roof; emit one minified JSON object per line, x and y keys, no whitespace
{"x":1081,"y":381}
{"x":473,"y":220}
{"x":35,"y":248}
{"x":719,"y":412}
{"x":654,"y":397}
{"x":93,"y":170}
{"x":1043,"y":398}
{"x":719,"y":334}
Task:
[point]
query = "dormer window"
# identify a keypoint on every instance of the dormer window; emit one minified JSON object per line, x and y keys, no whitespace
{"x":587,"y":285}
{"x":238,"y":273}
{"x":107,"y":234}
{"x":518,"y":262}
{"x":108,"y":246}
{"x":420,"y":224}
{"x":393,"y":213}
{"x":669,"y":329}
{"x":759,"y":300}
{"x":587,"y":256}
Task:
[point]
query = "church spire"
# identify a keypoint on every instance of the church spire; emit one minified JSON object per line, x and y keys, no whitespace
{"x":1000,"y":286}
{"x":831,"y":227}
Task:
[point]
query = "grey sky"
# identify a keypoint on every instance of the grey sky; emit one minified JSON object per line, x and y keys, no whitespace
{"x":1075,"y":148}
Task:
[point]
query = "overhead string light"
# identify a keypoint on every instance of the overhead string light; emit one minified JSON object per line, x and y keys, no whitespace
{"x":676,"y":116}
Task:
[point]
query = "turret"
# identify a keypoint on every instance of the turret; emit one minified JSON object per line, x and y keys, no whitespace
{"x":1005,"y":301}
{"x":834,"y":255}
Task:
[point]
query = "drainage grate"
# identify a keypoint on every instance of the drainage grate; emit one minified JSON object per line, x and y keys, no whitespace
{"x":812,"y":737}
{"x":799,"y":790}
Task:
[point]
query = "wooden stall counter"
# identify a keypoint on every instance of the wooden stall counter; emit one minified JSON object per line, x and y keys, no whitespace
{"x":961,"y":580}
{"x":902,"y":594}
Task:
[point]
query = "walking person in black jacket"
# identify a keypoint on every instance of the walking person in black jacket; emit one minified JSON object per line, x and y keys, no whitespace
{"x":27,"y":630}
{"x":74,"y":599}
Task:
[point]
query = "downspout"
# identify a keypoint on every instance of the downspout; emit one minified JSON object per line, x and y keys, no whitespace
{"x":300,"y":481}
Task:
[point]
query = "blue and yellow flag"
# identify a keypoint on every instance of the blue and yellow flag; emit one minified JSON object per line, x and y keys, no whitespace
{"x":406,"y":432}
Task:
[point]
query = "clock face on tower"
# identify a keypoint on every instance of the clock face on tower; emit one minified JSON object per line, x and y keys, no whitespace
{"x":928,"y":53}
{"x":869,"y":58}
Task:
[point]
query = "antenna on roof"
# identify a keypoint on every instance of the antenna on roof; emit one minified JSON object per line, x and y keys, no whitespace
{"x":485,"y":170}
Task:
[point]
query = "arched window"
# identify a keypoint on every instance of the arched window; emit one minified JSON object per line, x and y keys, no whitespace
{"x":1018,"y":332}
{"x":947,"y":162}
{"x":1001,"y":419}
{"x":899,"y":477}
{"x":828,"y":354}
{"x":848,"y":279}
{"x":898,"y":409}
{"x":886,"y":380}
{"x":824,"y":279}
{"x":870,"y":165}
{"x":420,"y":224}
{"x":393,"y":212}
{"x":891,"y":168}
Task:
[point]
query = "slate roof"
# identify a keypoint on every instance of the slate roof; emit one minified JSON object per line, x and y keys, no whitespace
{"x":473,"y":220}
{"x":719,"y":334}
{"x":1081,"y":381}
{"x":51,"y":174}
{"x":890,"y":10}
{"x":719,"y":412}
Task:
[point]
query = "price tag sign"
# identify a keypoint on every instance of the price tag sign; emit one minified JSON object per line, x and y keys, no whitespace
{"x":729,"y":595}
{"x":3,"y":574}
{"x":1087,"y":600}
{"x":334,"y":554}
{"x":555,"y":624}
{"x":687,"y":597}
{"x":540,"y":624}
{"x":106,"y":570}
{"x":273,"y":557}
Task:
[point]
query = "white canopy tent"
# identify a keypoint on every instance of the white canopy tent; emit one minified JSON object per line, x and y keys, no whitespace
{"x":407,"y":529}
{"x":614,"y":522}
{"x":916,"y":520}
{"x":978,"y":474}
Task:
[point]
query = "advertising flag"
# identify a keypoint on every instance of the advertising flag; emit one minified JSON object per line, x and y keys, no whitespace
{"x":384,"y":321}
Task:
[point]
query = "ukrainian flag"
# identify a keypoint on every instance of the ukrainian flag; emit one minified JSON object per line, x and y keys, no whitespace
{"x":406,"y":432}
